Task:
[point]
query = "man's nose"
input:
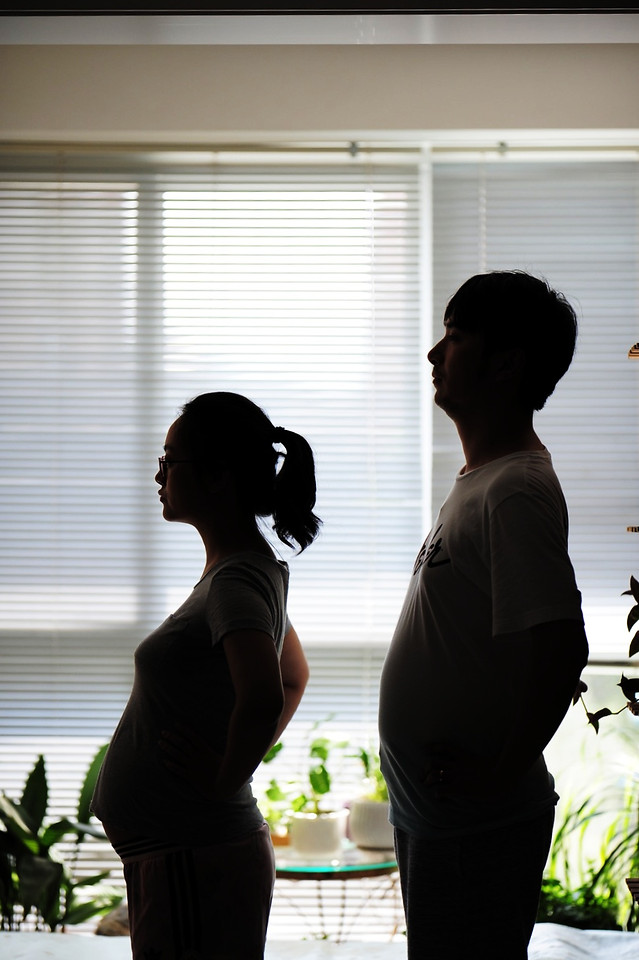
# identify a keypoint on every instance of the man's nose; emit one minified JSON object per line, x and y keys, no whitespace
{"x":434,"y":353}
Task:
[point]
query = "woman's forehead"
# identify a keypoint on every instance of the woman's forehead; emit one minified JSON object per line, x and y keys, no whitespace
{"x":173,"y":435}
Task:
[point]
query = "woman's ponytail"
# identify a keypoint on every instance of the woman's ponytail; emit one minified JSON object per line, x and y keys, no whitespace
{"x":295,"y":491}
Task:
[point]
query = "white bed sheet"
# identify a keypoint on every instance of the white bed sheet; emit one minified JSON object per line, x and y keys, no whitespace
{"x":551,"y":941}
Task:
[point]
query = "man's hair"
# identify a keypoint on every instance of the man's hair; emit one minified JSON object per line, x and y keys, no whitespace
{"x":510,"y":308}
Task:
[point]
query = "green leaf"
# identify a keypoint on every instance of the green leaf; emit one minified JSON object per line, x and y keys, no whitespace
{"x":633,"y":616}
{"x":634,"y":588}
{"x":12,"y":816}
{"x":273,"y":752}
{"x":92,"y":829}
{"x":320,"y":749}
{"x":91,"y":881}
{"x":605,"y":712}
{"x":88,"y":786}
{"x":79,"y":912}
{"x":105,"y":902}
{"x":634,"y":645}
{"x":35,"y":796}
{"x":581,"y":687}
{"x":320,"y":779}
{"x":594,"y":718}
{"x":8,"y":884}
{"x":364,"y":756}
{"x":39,"y":882}
{"x":54,"y":833}
{"x":630,"y":687}
{"x":275,"y":793}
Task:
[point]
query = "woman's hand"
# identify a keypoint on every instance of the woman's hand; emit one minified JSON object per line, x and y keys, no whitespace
{"x":187,"y":755}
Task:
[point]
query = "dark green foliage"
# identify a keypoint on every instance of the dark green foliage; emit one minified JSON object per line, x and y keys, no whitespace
{"x":35,"y":882}
{"x":629,"y":687}
{"x":588,"y":890}
{"x":376,"y":788}
{"x":577,"y":908}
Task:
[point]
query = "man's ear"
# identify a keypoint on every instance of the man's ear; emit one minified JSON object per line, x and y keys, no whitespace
{"x":508,"y":364}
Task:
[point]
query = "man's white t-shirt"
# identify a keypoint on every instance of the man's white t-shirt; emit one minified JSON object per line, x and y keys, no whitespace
{"x":495,"y":563}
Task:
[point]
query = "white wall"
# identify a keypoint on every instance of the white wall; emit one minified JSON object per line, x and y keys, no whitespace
{"x":197,"y":93}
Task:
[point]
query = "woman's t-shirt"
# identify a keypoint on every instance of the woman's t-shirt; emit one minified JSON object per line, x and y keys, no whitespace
{"x":182,"y":678}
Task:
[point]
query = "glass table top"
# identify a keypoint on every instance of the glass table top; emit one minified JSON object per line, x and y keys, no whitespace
{"x":351,"y":860}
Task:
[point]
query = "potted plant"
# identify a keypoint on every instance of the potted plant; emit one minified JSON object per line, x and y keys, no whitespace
{"x":313,"y":828}
{"x":36,"y":883}
{"x":368,"y":823}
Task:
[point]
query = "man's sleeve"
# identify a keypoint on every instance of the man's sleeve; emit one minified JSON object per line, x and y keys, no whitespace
{"x":533,"y":580}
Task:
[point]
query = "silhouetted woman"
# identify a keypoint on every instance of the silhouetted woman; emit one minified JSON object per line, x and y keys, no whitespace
{"x":215,"y":685}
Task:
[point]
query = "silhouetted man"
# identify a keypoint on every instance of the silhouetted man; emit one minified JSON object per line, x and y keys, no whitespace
{"x":490,"y":642}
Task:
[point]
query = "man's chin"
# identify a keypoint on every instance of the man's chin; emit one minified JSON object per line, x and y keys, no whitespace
{"x":443,"y":404}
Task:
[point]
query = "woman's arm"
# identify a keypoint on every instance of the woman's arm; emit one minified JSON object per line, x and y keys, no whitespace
{"x":295,"y":674}
{"x":259,"y":704}
{"x":267,"y":694}
{"x":259,"y":701}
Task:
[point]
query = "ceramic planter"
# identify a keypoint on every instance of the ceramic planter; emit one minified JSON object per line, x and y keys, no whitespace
{"x":368,"y":825}
{"x":317,"y":834}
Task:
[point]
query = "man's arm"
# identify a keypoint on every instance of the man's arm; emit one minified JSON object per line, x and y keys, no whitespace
{"x":545,"y":688}
{"x":558,"y":654}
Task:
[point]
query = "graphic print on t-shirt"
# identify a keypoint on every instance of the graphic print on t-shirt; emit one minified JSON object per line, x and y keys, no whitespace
{"x":432,"y":548}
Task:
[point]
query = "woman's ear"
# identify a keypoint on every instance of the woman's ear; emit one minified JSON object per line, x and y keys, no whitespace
{"x":217,"y":478}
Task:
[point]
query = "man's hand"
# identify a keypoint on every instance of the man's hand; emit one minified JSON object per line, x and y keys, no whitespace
{"x":455,"y":773}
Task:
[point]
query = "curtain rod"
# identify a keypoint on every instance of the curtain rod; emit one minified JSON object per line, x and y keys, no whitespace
{"x":353,"y":149}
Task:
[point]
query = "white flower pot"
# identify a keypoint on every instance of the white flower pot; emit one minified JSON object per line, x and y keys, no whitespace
{"x":317,"y":835}
{"x":368,"y":825}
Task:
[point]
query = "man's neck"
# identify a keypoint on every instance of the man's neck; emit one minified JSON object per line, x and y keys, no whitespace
{"x":484,"y":442}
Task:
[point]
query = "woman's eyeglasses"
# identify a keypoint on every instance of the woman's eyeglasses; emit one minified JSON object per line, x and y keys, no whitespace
{"x":164,"y":463}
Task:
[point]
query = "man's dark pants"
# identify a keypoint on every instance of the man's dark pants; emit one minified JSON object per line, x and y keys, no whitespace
{"x":473,"y":896}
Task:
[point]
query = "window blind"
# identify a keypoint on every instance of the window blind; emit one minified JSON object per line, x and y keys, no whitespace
{"x":131,"y":292}
{"x":576,"y":223}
